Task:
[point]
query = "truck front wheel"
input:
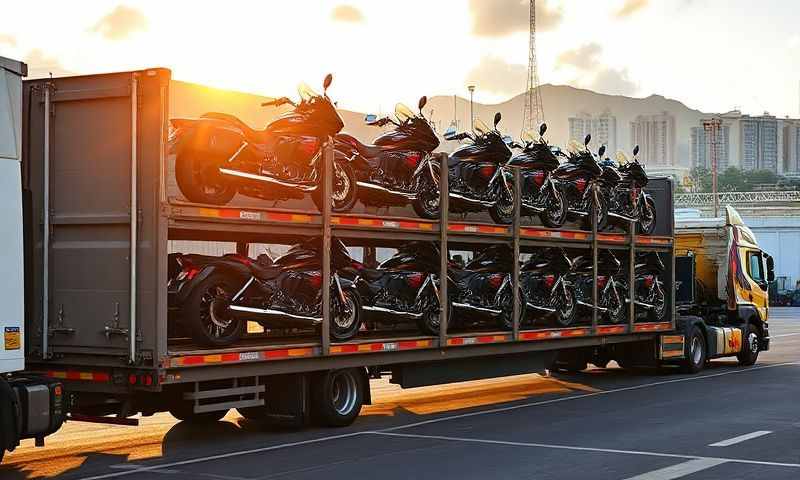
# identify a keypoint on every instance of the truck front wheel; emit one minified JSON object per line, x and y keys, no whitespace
{"x":696,"y":354}
{"x":337,"y":397}
{"x":751,"y":347}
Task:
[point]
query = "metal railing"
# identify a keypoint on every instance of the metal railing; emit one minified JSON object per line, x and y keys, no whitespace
{"x":736,"y":198}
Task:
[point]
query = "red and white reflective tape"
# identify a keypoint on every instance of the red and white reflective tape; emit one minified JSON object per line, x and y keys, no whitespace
{"x":552,"y":334}
{"x":477,"y":228}
{"x":239,"y":357}
{"x":78,"y":375}
{"x":611,"y":329}
{"x":652,"y":327}
{"x":381,"y":346}
{"x":479,"y":340}
{"x":381,"y":223}
{"x":561,"y":234}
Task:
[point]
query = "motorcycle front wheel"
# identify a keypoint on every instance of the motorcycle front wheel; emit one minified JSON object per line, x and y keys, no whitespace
{"x":555,"y":209}
{"x":659,"y":309}
{"x":343,"y":189}
{"x":602,"y":214}
{"x":345,"y":316}
{"x":566,"y":307}
{"x":430,"y":321}
{"x":502,"y":211}
{"x":617,"y":311}
{"x":506,"y":319}
{"x":647,"y":218}
{"x":426,"y":204}
{"x":199,"y":180}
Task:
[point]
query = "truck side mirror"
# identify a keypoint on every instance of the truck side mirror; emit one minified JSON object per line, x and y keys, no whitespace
{"x":770,"y":269}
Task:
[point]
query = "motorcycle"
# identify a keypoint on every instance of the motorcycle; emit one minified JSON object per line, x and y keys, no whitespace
{"x":397,"y":169}
{"x":545,"y":281}
{"x":649,"y":292}
{"x":218,"y":155}
{"x":485,"y":287}
{"x":476,"y":179}
{"x":611,"y":290}
{"x":404,"y":287}
{"x":216,"y":296}
{"x":578,"y":178}
{"x":627,"y":200}
{"x":541,"y":194}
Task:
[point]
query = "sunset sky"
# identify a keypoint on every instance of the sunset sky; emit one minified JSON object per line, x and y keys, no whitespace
{"x":713,"y":55}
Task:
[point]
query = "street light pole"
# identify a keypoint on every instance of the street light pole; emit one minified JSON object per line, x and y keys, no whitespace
{"x":471,"y":89}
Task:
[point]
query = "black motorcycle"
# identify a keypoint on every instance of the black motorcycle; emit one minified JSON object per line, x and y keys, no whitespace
{"x":397,"y":169}
{"x":611,"y":290}
{"x":484,"y":287}
{"x":476,"y":179}
{"x":403,"y":288}
{"x":541,"y":194}
{"x":214,"y":297}
{"x":627,"y":200}
{"x":649,"y":291}
{"x":218,"y":155}
{"x":578,"y":178}
{"x":546,"y":284}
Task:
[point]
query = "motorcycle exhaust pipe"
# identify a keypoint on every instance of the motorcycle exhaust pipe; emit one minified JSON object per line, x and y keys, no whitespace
{"x":272,"y":314}
{"x":622,"y":217}
{"x":589,"y":305}
{"x":265,"y":179}
{"x":540,"y":307}
{"x":390,"y":311}
{"x":372,"y":186}
{"x":466,"y":306}
{"x":482,"y":203}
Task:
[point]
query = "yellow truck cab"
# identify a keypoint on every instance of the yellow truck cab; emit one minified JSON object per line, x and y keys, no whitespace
{"x":722,"y":278}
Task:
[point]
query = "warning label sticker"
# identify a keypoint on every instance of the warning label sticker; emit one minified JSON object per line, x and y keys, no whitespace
{"x":12,"y":338}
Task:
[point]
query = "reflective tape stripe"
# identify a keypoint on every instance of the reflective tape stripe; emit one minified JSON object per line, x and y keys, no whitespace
{"x":237,"y":357}
{"x":550,"y":334}
{"x":477,"y":228}
{"x":78,"y":375}
{"x":544,"y":233}
{"x":477,"y":340}
{"x":381,"y":346}
{"x":652,"y":327}
{"x":611,"y":330}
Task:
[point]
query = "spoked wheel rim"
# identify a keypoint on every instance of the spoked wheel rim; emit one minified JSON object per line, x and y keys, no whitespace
{"x":555,"y":208}
{"x":346,"y":313}
{"x":344,"y":392}
{"x":505,"y":207}
{"x":429,"y":196}
{"x":342,"y":186}
{"x":215,"y":316}
{"x":616,"y":310}
{"x":565,"y":308}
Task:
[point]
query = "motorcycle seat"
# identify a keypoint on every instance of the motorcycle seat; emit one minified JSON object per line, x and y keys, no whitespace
{"x":366,"y":151}
{"x":255,"y":136}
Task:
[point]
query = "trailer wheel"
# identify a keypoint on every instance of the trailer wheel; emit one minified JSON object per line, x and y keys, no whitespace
{"x":337,"y":397}
{"x":697,"y":355}
{"x":184,"y":411}
{"x":751,"y":347}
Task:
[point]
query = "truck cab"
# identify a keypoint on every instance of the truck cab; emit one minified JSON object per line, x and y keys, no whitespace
{"x":723,"y":278}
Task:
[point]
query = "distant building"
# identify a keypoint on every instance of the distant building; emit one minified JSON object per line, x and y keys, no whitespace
{"x":791,"y":146}
{"x":655,"y":135}
{"x":702,"y":144}
{"x":602,"y":128}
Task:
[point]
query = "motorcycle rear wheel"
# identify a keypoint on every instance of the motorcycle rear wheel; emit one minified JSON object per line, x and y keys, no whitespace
{"x":199,"y":179}
{"x":206,"y":312}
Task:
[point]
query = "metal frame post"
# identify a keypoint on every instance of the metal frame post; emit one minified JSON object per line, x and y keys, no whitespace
{"x":46,"y":228}
{"x":327,"y":172}
{"x":632,"y":276}
{"x":444,"y":257}
{"x":595,"y":254}
{"x":134,"y":215}
{"x":515,"y":242}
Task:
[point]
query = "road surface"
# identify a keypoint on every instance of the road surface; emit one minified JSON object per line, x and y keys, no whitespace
{"x":728,"y":422}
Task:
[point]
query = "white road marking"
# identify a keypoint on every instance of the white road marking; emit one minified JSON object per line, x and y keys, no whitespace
{"x":740,"y":438}
{"x":587,"y":449}
{"x":680,"y":470}
{"x":784,"y":335}
{"x":436,"y":420}
{"x":585,"y":395}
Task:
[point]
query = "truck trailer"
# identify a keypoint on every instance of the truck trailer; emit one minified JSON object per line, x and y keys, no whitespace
{"x":101,"y":209}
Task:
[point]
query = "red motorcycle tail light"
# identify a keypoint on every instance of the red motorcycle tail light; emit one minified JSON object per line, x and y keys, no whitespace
{"x":538,"y":178}
{"x":412,"y":160}
{"x":487,"y":171}
{"x":315,"y":279}
{"x":549,"y":281}
{"x":580,"y":184}
{"x":415,"y":280}
{"x":496,"y":279}
{"x":601,"y":282}
{"x":648,"y":280}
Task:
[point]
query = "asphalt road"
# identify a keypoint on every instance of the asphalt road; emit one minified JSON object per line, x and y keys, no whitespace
{"x":725,"y":423}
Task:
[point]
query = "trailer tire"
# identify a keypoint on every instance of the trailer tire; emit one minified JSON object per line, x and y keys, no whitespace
{"x":697,"y":352}
{"x":337,"y":397}
{"x":183,"y":411}
{"x":751,"y":346}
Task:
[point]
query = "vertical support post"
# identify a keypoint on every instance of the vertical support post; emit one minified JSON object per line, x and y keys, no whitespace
{"x":632,"y":275}
{"x":517,"y":287}
{"x":327,"y":173}
{"x":444,"y":257}
{"x":46,"y":229}
{"x":595,"y":255}
{"x":134,"y":215}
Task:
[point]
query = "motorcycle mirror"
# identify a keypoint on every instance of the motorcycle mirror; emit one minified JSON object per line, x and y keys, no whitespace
{"x":450,"y":133}
{"x":508,"y":140}
{"x":542,"y":129}
{"x":423,"y":100}
{"x":327,"y":82}
{"x":497,"y":118}
{"x":621,"y":158}
{"x":601,"y":152}
{"x":636,"y":150}
{"x":371,"y":117}
{"x":587,"y":139}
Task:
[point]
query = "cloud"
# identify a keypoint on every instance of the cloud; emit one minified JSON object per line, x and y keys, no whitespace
{"x":120,"y":23}
{"x":42,"y":65}
{"x":495,"y":75}
{"x":6,"y":39}
{"x":347,"y":13}
{"x":630,"y":7}
{"x":591,"y":74}
{"x":496,"y":18}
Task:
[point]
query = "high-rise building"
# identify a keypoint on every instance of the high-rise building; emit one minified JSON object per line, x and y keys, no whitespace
{"x":761,"y":143}
{"x":791,"y":146}
{"x":655,"y":135}
{"x":602,"y":128}
{"x":702,"y":144}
